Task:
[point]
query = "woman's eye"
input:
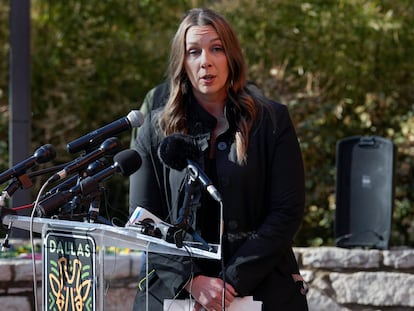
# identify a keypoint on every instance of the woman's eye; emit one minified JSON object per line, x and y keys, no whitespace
{"x":218,"y":49}
{"x":193,"y":52}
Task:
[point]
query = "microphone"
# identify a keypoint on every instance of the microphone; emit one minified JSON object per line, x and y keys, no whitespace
{"x":179,"y":151}
{"x":149,"y":224}
{"x":132,"y":120}
{"x":92,"y":169}
{"x":109,"y":146}
{"x":126,"y":162}
{"x":43,"y":154}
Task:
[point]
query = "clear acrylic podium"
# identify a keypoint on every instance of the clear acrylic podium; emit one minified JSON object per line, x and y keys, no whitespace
{"x":73,"y":257}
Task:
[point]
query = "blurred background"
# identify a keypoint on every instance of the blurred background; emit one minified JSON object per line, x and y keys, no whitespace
{"x":343,"y":68}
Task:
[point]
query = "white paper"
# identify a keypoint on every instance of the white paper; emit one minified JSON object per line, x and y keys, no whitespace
{"x":239,"y":304}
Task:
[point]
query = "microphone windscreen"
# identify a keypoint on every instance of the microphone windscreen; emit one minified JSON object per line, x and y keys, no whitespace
{"x":135,"y":118}
{"x":176,"y":149}
{"x":128,"y":161}
{"x":45,"y":154}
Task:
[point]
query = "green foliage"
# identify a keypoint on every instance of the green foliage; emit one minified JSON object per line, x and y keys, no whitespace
{"x":93,"y":61}
{"x":343,"y":67}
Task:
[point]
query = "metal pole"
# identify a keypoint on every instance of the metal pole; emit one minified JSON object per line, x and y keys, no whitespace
{"x":19,"y":90}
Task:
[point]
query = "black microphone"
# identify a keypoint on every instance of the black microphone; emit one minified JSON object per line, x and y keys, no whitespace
{"x":126,"y":162}
{"x":108,"y":147}
{"x":43,"y":154}
{"x":132,"y":120}
{"x":180,"y":151}
{"x":91,"y":169}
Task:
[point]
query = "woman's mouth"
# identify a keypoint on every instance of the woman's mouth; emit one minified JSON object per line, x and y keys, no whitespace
{"x":208,"y":78}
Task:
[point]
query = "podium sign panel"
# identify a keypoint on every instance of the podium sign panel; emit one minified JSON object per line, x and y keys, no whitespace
{"x":68,"y":272}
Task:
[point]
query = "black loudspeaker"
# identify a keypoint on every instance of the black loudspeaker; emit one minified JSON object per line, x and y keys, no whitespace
{"x":364,"y":191}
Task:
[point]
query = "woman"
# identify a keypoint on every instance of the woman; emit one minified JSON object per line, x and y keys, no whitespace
{"x":251,"y":153}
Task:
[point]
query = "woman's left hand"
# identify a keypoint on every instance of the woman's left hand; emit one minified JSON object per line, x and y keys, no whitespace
{"x":208,"y":293}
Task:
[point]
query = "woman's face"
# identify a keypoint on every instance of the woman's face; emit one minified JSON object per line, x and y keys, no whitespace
{"x":206,"y":64}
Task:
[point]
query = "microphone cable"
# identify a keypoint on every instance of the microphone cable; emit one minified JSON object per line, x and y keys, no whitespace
{"x":223,"y":269}
{"x":35,"y":206}
{"x":23,"y":207}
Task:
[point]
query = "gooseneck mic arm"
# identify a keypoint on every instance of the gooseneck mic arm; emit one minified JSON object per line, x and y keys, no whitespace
{"x":182,"y":224}
{"x":197,"y":174}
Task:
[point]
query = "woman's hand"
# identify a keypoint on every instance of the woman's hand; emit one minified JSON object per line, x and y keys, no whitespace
{"x":208,"y":293}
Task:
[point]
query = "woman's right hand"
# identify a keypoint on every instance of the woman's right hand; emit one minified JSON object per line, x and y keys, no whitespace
{"x":208,"y":293}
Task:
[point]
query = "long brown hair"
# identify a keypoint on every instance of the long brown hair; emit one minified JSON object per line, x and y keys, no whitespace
{"x":244,"y":106}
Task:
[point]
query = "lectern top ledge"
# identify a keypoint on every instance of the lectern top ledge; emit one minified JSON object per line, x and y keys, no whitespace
{"x":109,"y":236}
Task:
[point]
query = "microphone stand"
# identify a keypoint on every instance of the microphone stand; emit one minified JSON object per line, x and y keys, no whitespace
{"x":184,"y":214}
{"x":94,"y":205}
{"x":6,"y":194}
{"x":4,"y":211}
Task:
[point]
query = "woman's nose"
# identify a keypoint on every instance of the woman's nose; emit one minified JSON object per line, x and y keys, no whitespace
{"x":205,"y":60}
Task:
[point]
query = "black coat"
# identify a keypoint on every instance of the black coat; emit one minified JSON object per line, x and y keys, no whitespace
{"x":263,"y":206}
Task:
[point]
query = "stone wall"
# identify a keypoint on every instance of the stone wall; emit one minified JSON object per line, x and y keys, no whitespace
{"x":338,"y":279}
{"x":357,"y":279}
